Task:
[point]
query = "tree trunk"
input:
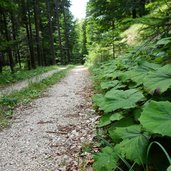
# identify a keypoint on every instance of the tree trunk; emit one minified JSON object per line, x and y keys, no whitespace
{"x":66,"y":36}
{"x":113,"y":43}
{"x":33,"y":65}
{"x":14,"y":33}
{"x":52,"y":49}
{"x":37,"y":27}
{"x":8,"y":38}
{"x":134,"y":13}
{"x":59,"y":31}
{"x":1,"y":62}
{"x":142,"y":8}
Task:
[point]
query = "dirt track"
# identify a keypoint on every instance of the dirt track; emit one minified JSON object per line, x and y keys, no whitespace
{"x":47,"y":135}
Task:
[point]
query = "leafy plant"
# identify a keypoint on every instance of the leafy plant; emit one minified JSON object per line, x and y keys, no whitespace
{"x":156,"y":117}
{"x":106,"y":160}
{"x":118,"y":99}
{"x":128,"y":124}
{"x":160,"y":79}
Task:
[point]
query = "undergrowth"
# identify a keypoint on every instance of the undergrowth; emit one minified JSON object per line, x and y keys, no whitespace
{"x":134,"y":103}
{"x":26,"y":95}
{"x":6,"y":77}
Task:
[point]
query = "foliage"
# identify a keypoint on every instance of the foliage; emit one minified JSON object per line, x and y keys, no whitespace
{"x":6,"y":77}
{"x":106,"y":160}
{"x":132,"y":116}
{"x":118,"y":99}
{"x":129,"y":45}
{"x":156,"y":117}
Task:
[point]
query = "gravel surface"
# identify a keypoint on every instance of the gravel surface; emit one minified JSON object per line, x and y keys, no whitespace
{"x":47,"y":135}
{"x":22,"y":84}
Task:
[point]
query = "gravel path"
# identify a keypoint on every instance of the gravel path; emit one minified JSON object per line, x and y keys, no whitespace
{"x":22,"y":84}
{"x":47,"y":135}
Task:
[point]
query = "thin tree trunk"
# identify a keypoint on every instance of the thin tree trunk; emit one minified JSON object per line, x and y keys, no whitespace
{"x":37,"y":27}
{"x":113,"y":44}
{"x":17,"y":53}
{"x":1,"y":62}
{"x":66,"y":36}
{"x":52,"y":49}
{"x":142,"y":8}
{"x":59,"y":31}
{"x":33,"y":65}
{"x":8,"y":38}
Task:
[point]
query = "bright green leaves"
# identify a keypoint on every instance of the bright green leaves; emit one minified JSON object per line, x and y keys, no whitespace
{"x":107,"y":119}
{"x":106,"y":160}
{"x":128,"y":124}
{"x":134,"y":142}
{"x":164,"y":41}
{"x":169,"y":168}
{"x":138,"y":73}
{"x":133,"y":149}
{"x":156,"y":117}
{"x":118,"y":99}
{"x":160,"y":80}
{"x":152,"y":76}
{"x":111,"y":84}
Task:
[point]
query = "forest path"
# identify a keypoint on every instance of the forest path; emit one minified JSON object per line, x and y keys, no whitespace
{"x":47,"y":135}
{"x":23,"y":84}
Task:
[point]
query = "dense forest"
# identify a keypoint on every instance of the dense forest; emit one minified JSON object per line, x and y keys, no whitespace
{"x":39,"y":33}
{"x":129,"y":54}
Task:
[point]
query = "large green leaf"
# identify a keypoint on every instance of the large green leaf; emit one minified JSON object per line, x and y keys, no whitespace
{"x":169,"y":168}
{"x":118,"y":99}
{"x":159,"y":80}
{"x":107,"y":119}
{"x":164,"y":41}
{"x":124,"y":99}
{"x":106,"y":160}
{"x":125,"y":122}
{"x":134,"y":143}
{"x":156,"y":117}
{"x":111,"y":84}
{"x":140,"y":72}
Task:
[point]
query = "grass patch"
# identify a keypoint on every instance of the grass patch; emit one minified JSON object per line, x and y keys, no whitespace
{"x":26,"y":95}
{"x":7,"y":77}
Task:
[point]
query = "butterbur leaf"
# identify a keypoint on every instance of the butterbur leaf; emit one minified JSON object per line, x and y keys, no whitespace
{"x":160,"y":79}
{"x":156,"y":117}
{"x":169,"y":168}
{"x":107,"y":119}
{"x":106,"y":160}
{"x":116,"y":116}
{"x":125,"y":122}
{"x":111,"y":84}
{"x":164,"y":41}
{"x":134,"y":143}
{"x":140,"y":72}
{"x":121,"y":99}
{"x":98,"y":99}
{"x":118,"y":99}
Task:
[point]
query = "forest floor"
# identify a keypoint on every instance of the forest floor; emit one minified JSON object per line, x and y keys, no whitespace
{"x":50,"y":133}
{"x":23,"y":84}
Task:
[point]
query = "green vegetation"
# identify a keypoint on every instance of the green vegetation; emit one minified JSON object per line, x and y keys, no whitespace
{"x":34,"y":90}
{"x":7,"y":78}
{"x":129,"y":58}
